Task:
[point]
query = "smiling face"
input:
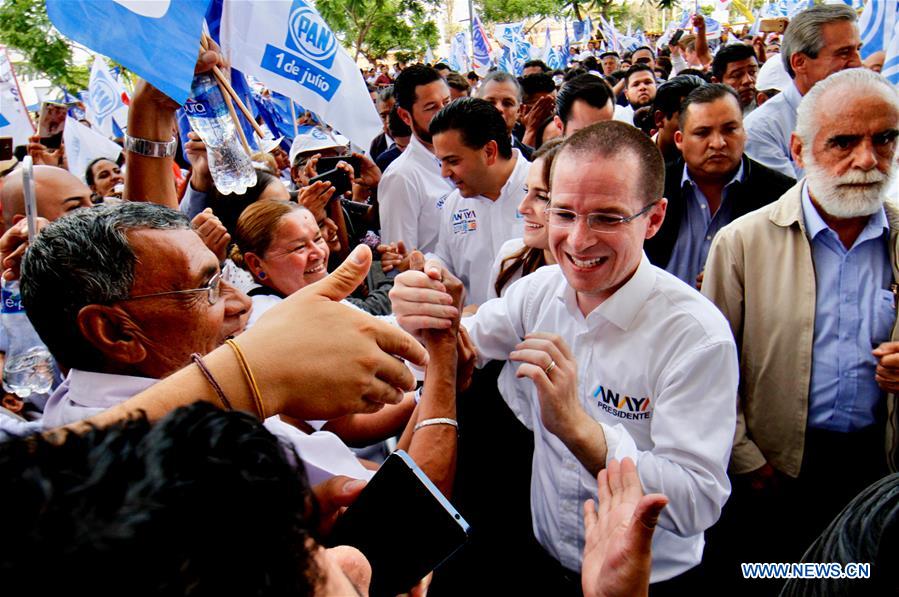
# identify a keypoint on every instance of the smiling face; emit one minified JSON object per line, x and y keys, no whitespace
{"x":597,"y":264}
{"x":107,"y":175}
{"x":429,"y":99}
{"x":840,"y":51}
{"x":467,"y":167}
{"x":297,"y":255}
{"x":533,"y":207}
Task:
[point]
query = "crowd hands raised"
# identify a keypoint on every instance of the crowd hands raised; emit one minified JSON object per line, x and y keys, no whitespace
{"x":560,"y":224}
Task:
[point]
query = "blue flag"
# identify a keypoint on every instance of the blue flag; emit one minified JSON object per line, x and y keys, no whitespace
{"x":891,"y":61}
{"x":566,"y":48}
{"x":876,"y":25}
{"x":480,"y":46}
{"x":157,"y":40}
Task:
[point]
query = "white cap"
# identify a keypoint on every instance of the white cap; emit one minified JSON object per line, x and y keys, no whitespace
{"x":315,"y":138}
{"x":773,"y":75}
{"x":267,"y":144}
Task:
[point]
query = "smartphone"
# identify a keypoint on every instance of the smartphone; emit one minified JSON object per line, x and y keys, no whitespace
{"x":354,"y":208}
{"x":5,"y":149}
{"x":676,"y":37}
{"x":339,"y":178}
{"x":774,"y":25}
{"x":403,"y":525}
{"x":51,"y":123}
{"x":325,"y":164}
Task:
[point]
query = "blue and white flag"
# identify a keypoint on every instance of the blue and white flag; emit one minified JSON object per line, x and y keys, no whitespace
{"x":429,"y":55}
{"x":547,"y":47}
{"x":891,"y":62}
{"x":106,"y":99}
{"x":459,"y":60}
{"x":14,"y":119}
{"x":480,"y":48}
{"x":712,"y":28}
{"x":581,"y":31}
{"x":756,"y":24}
{"x":507,"y":33}
{"x":159,"y":41}
{"x":566,"y":47}
{"x":84,"y":145}
{"x":288,"y":47}
{"x":876,"y":25}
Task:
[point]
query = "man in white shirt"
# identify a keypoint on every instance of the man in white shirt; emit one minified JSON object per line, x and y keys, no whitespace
{"x":412,"y":190}
{"x":476,"y":153}
{"x":625,"y":359}
{"x":818,"y":42}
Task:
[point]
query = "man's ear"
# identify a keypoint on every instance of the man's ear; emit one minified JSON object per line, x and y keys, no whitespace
{"x":404,"y":115}
{"x":110,"y":330}
{"x":656,"y":217}
{"x":798,"y":62}
{"x":559,"y":124}
{"x":796,"y":149}
{"x":658,"y":117}
{"x":678,"y":139}
{"x":491,"y":152}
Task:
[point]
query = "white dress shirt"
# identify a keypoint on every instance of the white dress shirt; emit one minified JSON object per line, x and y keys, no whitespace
{"x":472,"y":230}
{"x":657,"y":368}
{"x":84,"y":394}
{"x":624,"y":114}
{"x":411,"y":194}
{"x":768,"y":131}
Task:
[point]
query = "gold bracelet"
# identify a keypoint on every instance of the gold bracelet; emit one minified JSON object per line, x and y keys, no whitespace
{"x":251,"y":380}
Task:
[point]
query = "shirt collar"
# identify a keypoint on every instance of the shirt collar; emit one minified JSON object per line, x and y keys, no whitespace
{"x":421,"y":153}
{"x":104,"y":390}
{"x":815,"y":224}
{"x":622,"y":307}
{"x":792,"y":96}
{"x":737,"y":177}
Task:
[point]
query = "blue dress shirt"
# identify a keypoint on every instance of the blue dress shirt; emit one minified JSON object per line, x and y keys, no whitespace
{"x":854,"y":313}
{"x":698,"y":227}
{"x":768,"y":131}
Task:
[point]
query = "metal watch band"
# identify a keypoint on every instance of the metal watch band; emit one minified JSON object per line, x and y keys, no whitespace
{"x":151,"y":149}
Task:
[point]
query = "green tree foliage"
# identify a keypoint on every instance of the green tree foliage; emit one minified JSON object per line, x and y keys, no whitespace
{"x":24,"y":25}
{"x":372,"y":28}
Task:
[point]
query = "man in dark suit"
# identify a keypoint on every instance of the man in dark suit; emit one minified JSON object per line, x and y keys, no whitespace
{"x":712,"y":184}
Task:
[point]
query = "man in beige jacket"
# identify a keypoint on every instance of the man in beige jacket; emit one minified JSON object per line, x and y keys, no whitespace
{"x":808,"y":286}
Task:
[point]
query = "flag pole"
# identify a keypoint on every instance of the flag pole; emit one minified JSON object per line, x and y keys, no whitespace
{"x":12,"y":72}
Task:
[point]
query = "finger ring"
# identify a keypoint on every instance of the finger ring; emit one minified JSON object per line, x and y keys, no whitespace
{"x":550,"y":367}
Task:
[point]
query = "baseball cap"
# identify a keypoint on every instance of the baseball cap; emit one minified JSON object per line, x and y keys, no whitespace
{"x":315,"y":138}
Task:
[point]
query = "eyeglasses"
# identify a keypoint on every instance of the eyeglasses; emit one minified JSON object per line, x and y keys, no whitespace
{"x":598,"y":222}
{"x":213,"y":290}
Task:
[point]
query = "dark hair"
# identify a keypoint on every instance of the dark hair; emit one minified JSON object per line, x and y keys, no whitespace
{"x":650,"y":50}
{"x":591,"y":63}
{"x":477,"y":121}
{"x":528,"y":259}
{"x":643,"y":119}
{"x":536,"y":83}
{"x":588,"y":88}
{"x":671,"y":93}
{"x":705,"y":94}
{"x":571,"y":73}
{"x":404,"y":88}
{"x":82,"y":259}
{"x":696,"y":73}
{"x":637,"y":68}
{"x":867,"y":530}
{"x":612,"y":138}
{"x":472,"y":76}
{"x":228,"y":208}
{"x":730,"y":53}
{"x":395,"y":125}
{"x":159,"y":509}
{"x":385,"y":94}
{"x":442,"y":66}
{"x":539,"y":63}
{"x":89,"y":171}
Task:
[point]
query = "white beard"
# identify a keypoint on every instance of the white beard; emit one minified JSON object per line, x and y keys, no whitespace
{"x":842,"y":201}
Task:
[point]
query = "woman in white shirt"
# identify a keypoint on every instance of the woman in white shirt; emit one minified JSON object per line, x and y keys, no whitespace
{"x":521,"y":256}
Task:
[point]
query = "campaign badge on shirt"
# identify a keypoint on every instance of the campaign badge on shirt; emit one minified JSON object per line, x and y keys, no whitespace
{"x":465,"y":220}
{"x":441,"y":201}
{"x":622,"y":406}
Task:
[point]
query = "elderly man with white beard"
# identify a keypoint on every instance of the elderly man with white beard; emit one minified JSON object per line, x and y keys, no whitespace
{"x":808,"y":284}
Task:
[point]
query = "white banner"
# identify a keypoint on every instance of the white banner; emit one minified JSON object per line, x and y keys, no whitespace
{"x":290,"y":49}
{"x":84,"y":144}
{"x":106,"y":100}
{"x":14,"y":120}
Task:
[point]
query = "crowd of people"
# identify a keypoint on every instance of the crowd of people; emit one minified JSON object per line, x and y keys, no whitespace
{"x":637,"y":319}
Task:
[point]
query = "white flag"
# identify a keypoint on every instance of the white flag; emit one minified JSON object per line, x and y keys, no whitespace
{"x":14,"y":120}
{"x":106,"y":100}
{"x":84,"y":144}
{"x":288,"y":47}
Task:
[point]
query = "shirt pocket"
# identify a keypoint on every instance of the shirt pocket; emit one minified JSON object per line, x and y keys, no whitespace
{"x":884,"y":317}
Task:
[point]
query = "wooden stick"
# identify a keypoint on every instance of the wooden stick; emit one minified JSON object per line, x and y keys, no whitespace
{"x":223,"y":80}
{"x":243,"y":137}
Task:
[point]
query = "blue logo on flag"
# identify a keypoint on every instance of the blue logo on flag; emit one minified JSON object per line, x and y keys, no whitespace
{"x":3,"y":121}
{"x":103,"y":97}
{"x":308,"y":34}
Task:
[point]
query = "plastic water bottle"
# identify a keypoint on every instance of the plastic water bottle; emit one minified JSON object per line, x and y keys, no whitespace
{"x":230,"y":166}
{"x":29,"y":368}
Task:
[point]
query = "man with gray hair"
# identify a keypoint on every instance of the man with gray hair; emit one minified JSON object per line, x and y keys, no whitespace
{"x":818,"y":42}
{"x":503,"y":91}
{"x":808,"y":286}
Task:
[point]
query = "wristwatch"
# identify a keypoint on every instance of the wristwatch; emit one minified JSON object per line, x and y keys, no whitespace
{"x":151,"y":149}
